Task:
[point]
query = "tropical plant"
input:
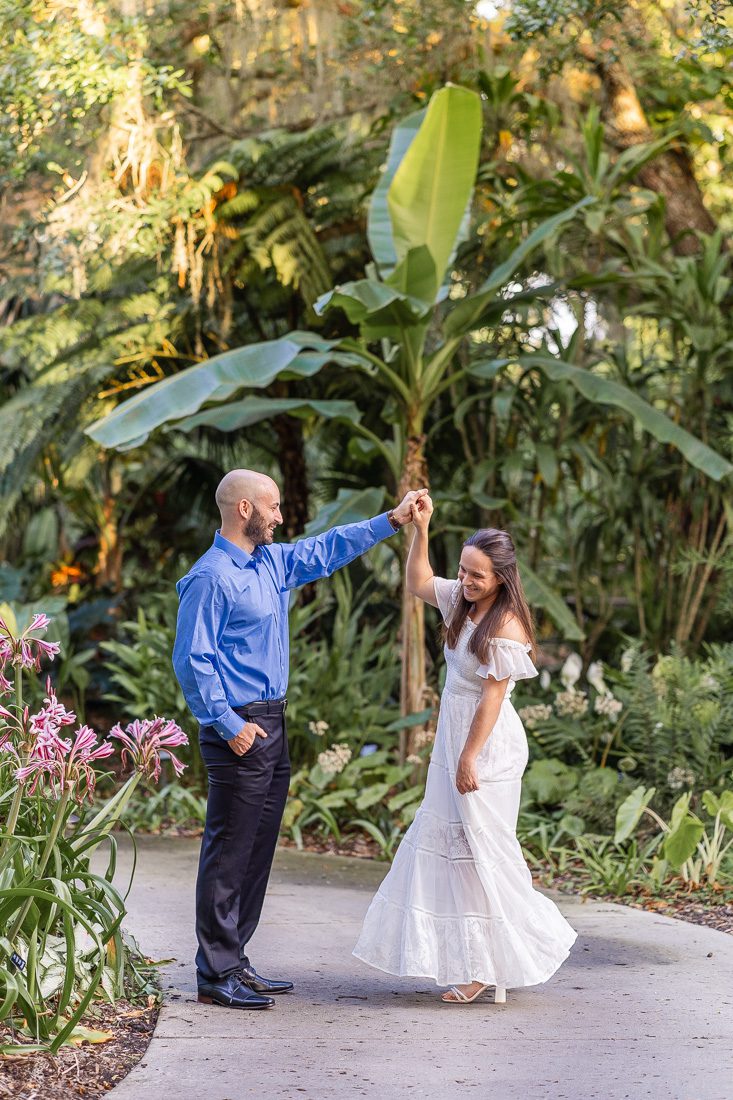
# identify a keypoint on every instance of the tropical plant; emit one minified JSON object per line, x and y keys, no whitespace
{"x":409,"y":308}
{"x":344,"y":679}
{"x":61,"y":942}
{"x":665,"y":722}
{"x":138,"y":664}
{"x":370,"y":792}
{"x":687,"y":847}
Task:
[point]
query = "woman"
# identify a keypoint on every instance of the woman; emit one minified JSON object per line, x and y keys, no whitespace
{"x":458,"y":904}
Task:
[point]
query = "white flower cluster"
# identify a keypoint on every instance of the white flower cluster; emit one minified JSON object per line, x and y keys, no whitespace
{"x":607,"y":705}
{"x":533,"y":715}
{"x":318,"y":728}
{"x":571,"y":703}
{"x":679,"y":778}
{"x":422,"y":737}
{"x":413,"y":758}
{"x":334,"y":760}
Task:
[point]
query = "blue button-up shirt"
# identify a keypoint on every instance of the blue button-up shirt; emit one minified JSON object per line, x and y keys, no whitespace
{"x":232,"y":642}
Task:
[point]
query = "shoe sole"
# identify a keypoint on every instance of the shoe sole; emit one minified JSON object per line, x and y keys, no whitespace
{"x":202,"y":1000}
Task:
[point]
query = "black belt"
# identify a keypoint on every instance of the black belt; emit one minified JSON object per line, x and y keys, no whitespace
{"x":268,"y":706}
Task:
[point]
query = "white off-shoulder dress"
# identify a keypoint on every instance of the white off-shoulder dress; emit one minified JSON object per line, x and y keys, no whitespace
{"x":458,"y":904}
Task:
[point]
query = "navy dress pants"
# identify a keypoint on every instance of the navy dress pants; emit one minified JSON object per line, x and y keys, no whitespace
{"x":245,"y":806}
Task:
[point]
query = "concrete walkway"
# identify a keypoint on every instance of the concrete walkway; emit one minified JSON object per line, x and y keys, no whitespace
{"x":643,"y":1007}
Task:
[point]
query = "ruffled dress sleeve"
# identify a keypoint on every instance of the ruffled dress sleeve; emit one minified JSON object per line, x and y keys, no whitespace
{"x":507,"y":660}
{"x":446,"y":593}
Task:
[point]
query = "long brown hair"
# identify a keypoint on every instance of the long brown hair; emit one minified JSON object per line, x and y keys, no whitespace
{"x":509,"y":600}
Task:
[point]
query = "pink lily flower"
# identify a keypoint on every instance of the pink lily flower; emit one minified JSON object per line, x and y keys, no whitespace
{"x":64,"y":764}
{"x":142,"y":742}
{"x":40,"y":622}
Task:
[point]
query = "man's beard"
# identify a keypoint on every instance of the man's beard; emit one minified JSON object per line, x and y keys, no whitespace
{"x":257,"y":528}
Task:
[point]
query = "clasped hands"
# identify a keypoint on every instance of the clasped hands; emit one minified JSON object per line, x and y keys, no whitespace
{"x":415,"y":507}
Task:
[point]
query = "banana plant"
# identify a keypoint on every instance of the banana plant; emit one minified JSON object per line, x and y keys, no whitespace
{"x":417,"y":218}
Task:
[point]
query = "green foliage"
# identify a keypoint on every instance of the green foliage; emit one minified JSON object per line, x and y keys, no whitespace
{"x":62,"y":942}
{"x":60,"y":67}
{"x":688,"y":845}
{"x":344,"y":684}
{"x":172,"y":808}
{"x":140,"y":664}
{"x":371,"y":793}
{"x":667,"y":724}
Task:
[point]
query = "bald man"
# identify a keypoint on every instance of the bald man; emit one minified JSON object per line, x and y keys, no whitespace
{"x":231,"y":660}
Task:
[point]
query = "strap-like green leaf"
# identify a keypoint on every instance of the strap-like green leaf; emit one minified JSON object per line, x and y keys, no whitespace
{"x":466,"y":314}
{"x":539,"y":594}
{"x":349,"y":506}
{"x":251,"y":410}
{"x":434,"y":182}
{"x":215,"y":380}
{"x":605,"y":391}
{"x":630,"y":811}
{"x":379,"y":224}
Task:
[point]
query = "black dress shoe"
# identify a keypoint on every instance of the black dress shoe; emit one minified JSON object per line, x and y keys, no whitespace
{"x":232,"y":992}
{"x":254,"y":981}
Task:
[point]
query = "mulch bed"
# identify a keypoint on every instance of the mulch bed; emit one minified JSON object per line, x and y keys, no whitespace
{"x":705,"y":905}
{"x":87,"y":1071}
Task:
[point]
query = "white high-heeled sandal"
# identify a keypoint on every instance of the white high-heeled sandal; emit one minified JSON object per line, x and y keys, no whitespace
{"x":460,"y":998}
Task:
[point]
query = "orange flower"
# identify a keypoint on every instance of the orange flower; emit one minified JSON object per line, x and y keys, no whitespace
{"x":64,"y":575}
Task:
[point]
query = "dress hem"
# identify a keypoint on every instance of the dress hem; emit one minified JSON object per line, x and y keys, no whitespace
{"x":463,"y":980}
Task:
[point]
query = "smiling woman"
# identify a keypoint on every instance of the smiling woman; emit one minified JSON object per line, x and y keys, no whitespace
{"x":493,"y":598}
{"x":458,"y":904}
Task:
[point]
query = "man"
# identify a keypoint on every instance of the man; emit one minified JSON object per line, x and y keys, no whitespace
{"x":231,"y":660}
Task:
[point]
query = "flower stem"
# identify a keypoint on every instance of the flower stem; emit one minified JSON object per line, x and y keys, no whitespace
{"x":18,"y":795}
{"x":105,"y":818}
{"x":37,"y":873}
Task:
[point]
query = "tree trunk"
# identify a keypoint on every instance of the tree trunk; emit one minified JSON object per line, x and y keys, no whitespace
{"x":291,"y":458}
{"x":670,"y":174}
{"x":108,"y":570}
{"x":413,"y":688}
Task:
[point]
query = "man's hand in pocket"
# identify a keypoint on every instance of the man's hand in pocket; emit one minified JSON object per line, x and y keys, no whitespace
{"x":245,"y":739}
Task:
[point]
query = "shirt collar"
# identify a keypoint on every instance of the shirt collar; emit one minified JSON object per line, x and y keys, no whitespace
{"x":239,"y":556}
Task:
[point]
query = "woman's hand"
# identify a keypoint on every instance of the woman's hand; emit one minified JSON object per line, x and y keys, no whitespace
{"x":422,"y":510}
{"x":466,"y":774}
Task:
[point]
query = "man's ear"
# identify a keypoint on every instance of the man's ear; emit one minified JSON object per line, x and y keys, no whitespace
{"x":245,"y":509}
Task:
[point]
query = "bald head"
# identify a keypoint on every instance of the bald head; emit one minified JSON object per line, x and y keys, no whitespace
{"x":240,"y":485}
{"x":249,"y":503}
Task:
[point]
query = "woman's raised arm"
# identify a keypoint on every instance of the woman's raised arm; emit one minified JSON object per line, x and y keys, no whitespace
{"x":418,"y":574}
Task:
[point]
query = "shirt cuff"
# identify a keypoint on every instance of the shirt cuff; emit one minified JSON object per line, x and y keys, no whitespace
{"x":229,"y":725}
{"x":381,"y":527}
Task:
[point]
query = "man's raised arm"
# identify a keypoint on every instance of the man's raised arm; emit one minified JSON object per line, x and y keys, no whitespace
{"x":319,"y":556}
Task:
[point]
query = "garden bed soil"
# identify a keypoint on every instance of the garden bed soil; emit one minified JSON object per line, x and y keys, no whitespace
{"x":89,"y":1070}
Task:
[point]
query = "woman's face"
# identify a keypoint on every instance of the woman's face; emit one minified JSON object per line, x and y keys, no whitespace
{"x":476,"y":574}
